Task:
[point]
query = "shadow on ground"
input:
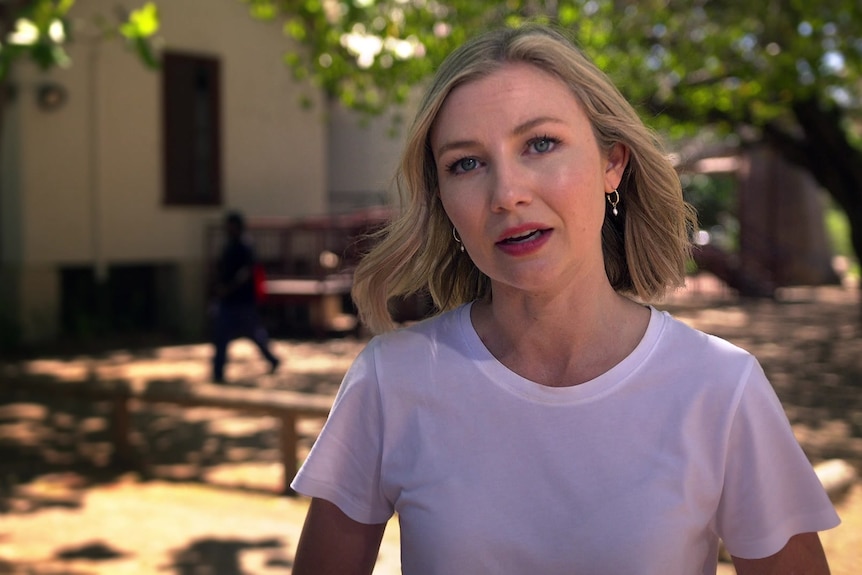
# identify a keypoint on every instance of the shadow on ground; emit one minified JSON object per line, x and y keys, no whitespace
{"x":42,"y":434}
{"x":222,"y":557}
{"x":209,"y":556}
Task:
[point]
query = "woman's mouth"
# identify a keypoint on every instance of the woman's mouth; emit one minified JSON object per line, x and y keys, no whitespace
{"x":524,"y":241}
{"x":523,"y":237}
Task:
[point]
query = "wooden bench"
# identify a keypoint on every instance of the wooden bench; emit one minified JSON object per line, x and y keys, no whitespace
{"x":323,"y":296}
{"x":337,"y":284}
{"x":286,"y":406}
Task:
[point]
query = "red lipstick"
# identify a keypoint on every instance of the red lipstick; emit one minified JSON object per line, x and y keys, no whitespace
{"x":524,"y":239}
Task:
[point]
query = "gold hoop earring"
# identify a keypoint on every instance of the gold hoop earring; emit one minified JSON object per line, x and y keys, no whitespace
{"x":457,"y":239}
{"x":613,"y":200}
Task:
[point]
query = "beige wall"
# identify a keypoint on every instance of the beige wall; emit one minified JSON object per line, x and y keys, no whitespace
{"x":364,"y":154}
{"x":91,"y":170}
{"x":88,"y":175}
{"x":53,"y":171}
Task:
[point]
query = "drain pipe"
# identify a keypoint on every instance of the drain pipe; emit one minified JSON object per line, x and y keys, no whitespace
{"x":94,"y":175}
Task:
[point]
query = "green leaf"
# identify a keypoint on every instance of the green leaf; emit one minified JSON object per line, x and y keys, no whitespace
{"x":145,"y":53}
{"x":142,"y":23}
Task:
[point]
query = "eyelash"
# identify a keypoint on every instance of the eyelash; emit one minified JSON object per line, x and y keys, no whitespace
{"x":550,"y":139}
{"x":453,"y":166}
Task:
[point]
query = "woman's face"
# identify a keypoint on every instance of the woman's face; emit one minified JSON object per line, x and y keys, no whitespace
{"x":523,"y":181}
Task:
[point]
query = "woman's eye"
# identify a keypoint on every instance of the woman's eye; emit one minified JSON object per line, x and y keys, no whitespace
{"x":543,"y":144}
{"x":463,"y":165}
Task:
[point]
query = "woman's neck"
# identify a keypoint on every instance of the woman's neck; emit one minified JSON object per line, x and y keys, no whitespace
{"x":560,"y":340}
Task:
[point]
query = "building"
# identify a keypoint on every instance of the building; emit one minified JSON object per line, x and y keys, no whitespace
{"x":111,"y":172}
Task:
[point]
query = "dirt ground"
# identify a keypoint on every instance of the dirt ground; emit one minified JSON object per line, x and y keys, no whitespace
{"x":206,"y":503}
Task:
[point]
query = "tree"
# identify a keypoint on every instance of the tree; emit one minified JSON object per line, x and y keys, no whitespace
{"x":786,"y":73}
{"x":782,"y":71}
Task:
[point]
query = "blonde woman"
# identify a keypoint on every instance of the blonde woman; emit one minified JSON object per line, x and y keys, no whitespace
{"x":548,"y":420}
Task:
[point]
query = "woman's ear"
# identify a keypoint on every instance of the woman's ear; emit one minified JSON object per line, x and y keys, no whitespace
{"x":618,"y":159}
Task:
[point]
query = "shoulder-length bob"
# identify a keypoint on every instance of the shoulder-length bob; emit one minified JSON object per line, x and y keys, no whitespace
{"x":645,"y":247}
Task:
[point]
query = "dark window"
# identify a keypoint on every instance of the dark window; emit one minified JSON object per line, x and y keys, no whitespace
{"x":81,"y":303}
{"x":192,"y":129}
{"x":132,"y":299}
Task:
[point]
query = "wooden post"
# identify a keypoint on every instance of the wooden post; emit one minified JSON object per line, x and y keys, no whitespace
{"x":121,"y":430}
{"x":322,"y":311}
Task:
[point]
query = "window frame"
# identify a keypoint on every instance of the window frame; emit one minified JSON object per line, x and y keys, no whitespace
{"x":191,"y":130}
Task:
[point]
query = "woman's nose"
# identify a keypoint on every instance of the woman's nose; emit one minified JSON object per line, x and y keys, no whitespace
{"x":510,"y":187}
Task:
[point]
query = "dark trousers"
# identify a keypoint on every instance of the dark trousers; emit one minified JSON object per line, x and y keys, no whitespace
{"x":234,"y":321}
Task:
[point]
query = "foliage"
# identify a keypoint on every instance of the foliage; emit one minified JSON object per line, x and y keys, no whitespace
{"x":140,"y":27}
{"x":40,"y":29}
{"x":34,"y":29}
{"x":838,"y":229}
{"x":368,"y":54}
{"x":714,"y":197}
{"x":744,"y":63}
{"x":723,"y":60}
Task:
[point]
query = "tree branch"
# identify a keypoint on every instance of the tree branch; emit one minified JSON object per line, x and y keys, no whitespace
{"x":791,"y":147}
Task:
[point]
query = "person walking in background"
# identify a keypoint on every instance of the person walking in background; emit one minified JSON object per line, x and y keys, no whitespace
{"x":548,"y":419}
{"x":235,"y":307}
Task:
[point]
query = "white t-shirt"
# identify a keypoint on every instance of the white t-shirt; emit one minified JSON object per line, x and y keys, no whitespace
{"x":638,"y":471}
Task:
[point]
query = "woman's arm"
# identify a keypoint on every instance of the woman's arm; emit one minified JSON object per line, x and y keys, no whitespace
{"x":334,"y":544}
{"x":803,"y":555}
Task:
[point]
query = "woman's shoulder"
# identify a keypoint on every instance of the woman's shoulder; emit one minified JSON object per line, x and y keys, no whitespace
{"x":686,"y":361}
{"x":418,"y":348}
{"x":431,"y":331}
{"x":688,"y":344}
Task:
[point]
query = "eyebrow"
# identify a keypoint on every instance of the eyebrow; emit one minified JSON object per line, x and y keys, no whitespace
{"x":519,"y":130}
{"x":530,"y":124}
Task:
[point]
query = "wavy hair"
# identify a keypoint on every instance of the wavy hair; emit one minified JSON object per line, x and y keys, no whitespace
{"x":645,"y":247}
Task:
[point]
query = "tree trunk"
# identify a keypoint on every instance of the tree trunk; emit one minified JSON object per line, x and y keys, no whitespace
{"x":835,"y":163}
{"x":826,"y":152}
{"x":782,"y":234}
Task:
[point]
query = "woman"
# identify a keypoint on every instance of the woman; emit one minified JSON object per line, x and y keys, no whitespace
{"x":547,"y":421}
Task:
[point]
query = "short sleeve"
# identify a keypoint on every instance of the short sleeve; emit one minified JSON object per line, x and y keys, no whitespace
{"x":770,"y":491}
{"x":343,"y":465}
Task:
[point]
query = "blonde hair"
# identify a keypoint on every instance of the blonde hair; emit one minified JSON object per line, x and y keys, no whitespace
{"x":645,"y":247}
